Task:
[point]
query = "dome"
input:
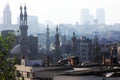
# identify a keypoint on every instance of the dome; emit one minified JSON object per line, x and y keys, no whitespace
{"x":16,"y":49}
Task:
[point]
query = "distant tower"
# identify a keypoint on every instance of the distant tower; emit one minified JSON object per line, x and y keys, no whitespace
{"x":85,"y":16}
{"x":95,"y":40}
{"x":47,"y":40}
{"x":23,"y":29}
{"x":100,"y":16}
{"x":7,"y":15}
{"x":57,"y":46}
{"x":57,"y":42}
{"x":96,"y":50}
{"x":74,"y":43}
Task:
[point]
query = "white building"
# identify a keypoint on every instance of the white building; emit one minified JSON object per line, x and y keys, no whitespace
{"x":100,"y":16}
{"x":7,"y":15}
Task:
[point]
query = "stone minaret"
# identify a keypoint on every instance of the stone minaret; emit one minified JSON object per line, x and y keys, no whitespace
{"x":74,"y":44}
{"x":23,"y":29}
{"x":47,"y":40}
{"x":57,"y":42}
{"x":57,"y":46}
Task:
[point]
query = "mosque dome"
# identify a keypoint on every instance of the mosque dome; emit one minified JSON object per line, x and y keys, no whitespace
{"x":16,"y":49}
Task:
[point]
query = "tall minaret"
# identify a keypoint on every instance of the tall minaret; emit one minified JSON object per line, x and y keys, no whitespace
{"x":96,"y":50}
{"x":57,"y":46}
{"x":74,"y":43}
{"x":57,"y":42}
{"x":23,"y":29}
{"x":47,"y":40}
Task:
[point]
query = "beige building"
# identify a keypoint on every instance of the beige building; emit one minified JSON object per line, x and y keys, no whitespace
{"x":29,"y":72}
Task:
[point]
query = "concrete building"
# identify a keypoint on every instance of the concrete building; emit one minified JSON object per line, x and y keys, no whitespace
{"x":6,"y":33}
{"x":118,"y":51}
{"x":100,"y":16}
{"x":42,"y":39}
{"x":84,"y":48}
{"x":33,"y":70}
{"x":7,"y":15}
{"x":33,"y":44}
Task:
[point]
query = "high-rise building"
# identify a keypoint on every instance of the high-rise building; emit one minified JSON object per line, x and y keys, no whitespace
{"x":85,"y":16}
{"x":7,"y":15}
{"x":100,"y":16}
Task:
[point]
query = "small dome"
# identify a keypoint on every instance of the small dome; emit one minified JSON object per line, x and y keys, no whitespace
{"x":16,"y":49}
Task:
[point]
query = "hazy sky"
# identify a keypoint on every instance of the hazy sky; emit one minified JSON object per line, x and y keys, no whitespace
{"x":63,"y":11}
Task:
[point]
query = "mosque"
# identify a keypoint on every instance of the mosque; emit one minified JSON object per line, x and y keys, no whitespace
{"x":27,"y":44}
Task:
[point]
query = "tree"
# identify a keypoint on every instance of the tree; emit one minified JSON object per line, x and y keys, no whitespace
{"x":7,"y":68}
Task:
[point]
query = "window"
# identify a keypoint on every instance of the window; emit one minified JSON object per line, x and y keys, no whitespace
{"x":83,"y":50}
{"x":28,"y":74}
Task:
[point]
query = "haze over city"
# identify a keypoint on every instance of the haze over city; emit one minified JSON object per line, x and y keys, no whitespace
{"x":59,"y":40}
{"x":63,"y":11}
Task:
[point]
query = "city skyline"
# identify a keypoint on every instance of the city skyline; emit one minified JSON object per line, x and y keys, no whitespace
{"x":63,"y":11}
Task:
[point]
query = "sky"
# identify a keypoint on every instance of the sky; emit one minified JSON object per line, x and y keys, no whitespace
{"x":63,"y":11}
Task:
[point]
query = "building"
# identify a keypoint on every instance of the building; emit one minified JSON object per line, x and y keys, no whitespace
{"x":85,"y":16}
{"x":7,"y":15}
{"x":33,"y":44}
{"x":84,"y":48}
{"x":6,"y":33}
{"x":42,"y":39}
{"x":118,"y":51}
{"x":33,"y":70}
{"x":100,"y":16}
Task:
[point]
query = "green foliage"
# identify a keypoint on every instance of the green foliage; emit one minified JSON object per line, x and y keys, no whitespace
{"x":7,"y":69}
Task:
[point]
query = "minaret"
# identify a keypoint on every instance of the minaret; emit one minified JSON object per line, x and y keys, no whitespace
{"x":57,"y":46}
{"x":47,"y":40}
{"x":95,"y":40}
{"x":23,"y":29}
{"x":96,"y":49}
{"x":25,"y":16}
{"x":74,"y":43}
{"x":57,"y":42}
